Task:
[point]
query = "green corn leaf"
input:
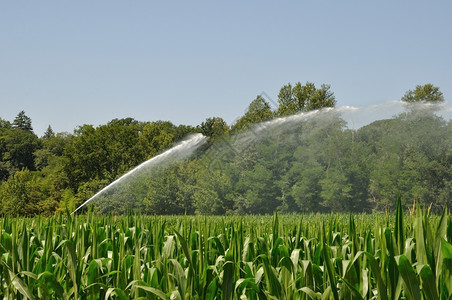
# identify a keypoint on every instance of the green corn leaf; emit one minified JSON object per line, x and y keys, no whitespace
{"x":51,"y":282}
{"x":228,"y":275}
{"x":441,"y":232}
{"x":185,"y":248}
{"x":259,"y":275}
{"x":119,"y":293}
{"x":154,"y":291}
{"x":72,"y":263}
{"x":408,"y":274}
{"x":180,"y":277}
{"x":310,"y":293}
{"x":7,"y":242}
{"x":446,"y":268}
{"x":29,"y":274}
{"x":327,"y":293}
{"x":428,"y":281}
{"x":295,"y":258}
{"x":175,"y":295}
{"x":287,"y":263}
{"x":168,"y":247}
{"x":421,"y":249}
{"x":93,"y":272}
{"x":247,"y":283}
{"x":399,"y":227}
{"x":20,"y":286}
{"x":212,"y":289}
{"x":381,"y":287}
{"x":330,"y":270}
{"x":446,"y":249}
{"x":273,"y":284}
{"x":353,"y":290}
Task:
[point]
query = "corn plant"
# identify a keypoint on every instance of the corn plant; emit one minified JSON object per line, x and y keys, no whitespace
{"x":312,"y":256}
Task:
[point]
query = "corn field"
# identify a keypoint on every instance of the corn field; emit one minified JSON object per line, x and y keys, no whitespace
{"x":254,"y":257}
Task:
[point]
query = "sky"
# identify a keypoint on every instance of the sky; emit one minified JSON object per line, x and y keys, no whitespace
{"x":69,"y":63}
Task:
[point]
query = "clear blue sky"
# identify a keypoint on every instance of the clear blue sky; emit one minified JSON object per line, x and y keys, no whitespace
{"x":68,"y":63}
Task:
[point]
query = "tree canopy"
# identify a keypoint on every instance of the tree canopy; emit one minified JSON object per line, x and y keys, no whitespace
{"x":22,"y":121}
{"x":295,"y":165}
{"x":300,"y":98}
{"x":259,"y":110}
{"x":427,"y":92}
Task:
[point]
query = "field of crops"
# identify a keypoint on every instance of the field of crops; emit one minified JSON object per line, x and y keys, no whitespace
{"x":253,"y":257}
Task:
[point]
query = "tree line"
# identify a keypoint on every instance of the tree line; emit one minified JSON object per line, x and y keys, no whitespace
{"x":316,"y":165}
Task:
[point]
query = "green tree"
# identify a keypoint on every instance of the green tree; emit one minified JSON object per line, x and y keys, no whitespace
{"x":163,"y":195}
{"x":260,"y":195}
{"x":157,"y":136}
{"x":4,"y":123}
{"x":214,"y":192}
{"x":305,"y":187}
{"x":300,"y":98}
{"x":214,"y":127}
{"x":51,"y":146}
{"x":57,"y":185}
{"x":49,"y":133}
{"x":259,"y":110}
{"x":410,"y":156}
{"x":20,"y":195}
{"x":22,"y":121}
{"x":105,"y":152}
{"x":427,"y":92}
{"x":17,"y":149}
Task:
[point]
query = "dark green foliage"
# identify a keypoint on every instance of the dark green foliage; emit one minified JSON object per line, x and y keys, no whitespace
{"x":214,"y":127}
{"x":258,"y":111}
{"x":301,"y":98}
{"x":309,"y":161}
{"x":23,"y":122}
{"x":427,"y":92}
{"x":17,"y":148}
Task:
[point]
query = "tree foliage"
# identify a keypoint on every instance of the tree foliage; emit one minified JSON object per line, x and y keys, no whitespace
{"x":427,"y":92}
{"x":22,"y":121}
{"x":301,"y":98}
{"x":294,"y":164}
{"x":258,"y":111}
{"x":214,"y":127}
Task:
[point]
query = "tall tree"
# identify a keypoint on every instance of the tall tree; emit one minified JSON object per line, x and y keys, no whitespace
{"x":259,"y":110}
{"x":22,"y":121}
{"x":214,"y":127}
{"x":49,"y":133}
{"x":20,"y":194}
{"x":427,"y":92}
{"x":16,"y":150}
{"x":4,"y":123}
{"x":306,"y":97}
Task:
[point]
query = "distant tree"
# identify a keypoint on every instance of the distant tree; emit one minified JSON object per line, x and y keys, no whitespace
{"x":49,"y":133}
{"x":427,"y":92}
{"x":110,"y":150}
{"x":22,"y":121}
{"x":166,"y":195}
{"x":260,"y":195}
{"x":259,"y":110}
{"x":157,"y":136}
{"x":213,"y":195}
{"x":4,"y":123}
{"x":19,"y":195}
{"x":214,"y":127}
{"x":306,"y":189}
{"x":306,"y":97}
{"x":16,"y":149}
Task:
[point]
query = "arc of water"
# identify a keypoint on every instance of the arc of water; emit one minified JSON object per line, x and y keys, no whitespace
{"x":180,"y":151}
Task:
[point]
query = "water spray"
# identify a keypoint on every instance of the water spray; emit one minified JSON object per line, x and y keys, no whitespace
{"x":180,"y":151}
